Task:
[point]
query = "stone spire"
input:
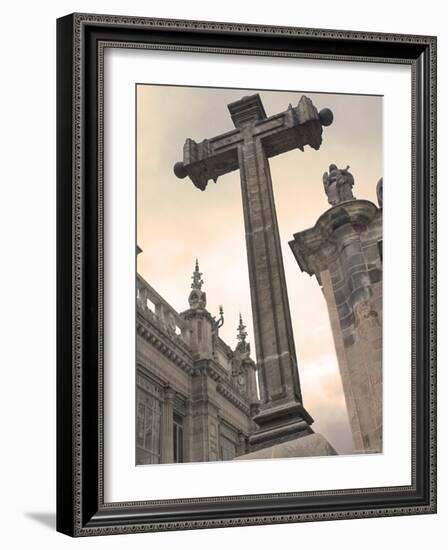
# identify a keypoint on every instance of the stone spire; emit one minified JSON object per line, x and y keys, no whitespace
{"x":217,"y":323}
{"x":197,"y":277}
{"x":241,"y":336}
{"x":197,"y":298}
{"x":242,"y":346}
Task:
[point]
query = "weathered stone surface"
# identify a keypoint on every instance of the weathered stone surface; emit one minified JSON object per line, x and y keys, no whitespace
{"x":255,"y":139}
{"x":308,"y":445}
{"x":343,"y":251}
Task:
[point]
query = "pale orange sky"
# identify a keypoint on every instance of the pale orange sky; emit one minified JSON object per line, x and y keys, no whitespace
{"x":176,"y":222}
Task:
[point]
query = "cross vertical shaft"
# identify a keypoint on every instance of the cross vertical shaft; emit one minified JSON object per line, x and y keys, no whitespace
{"x":272,"y":320}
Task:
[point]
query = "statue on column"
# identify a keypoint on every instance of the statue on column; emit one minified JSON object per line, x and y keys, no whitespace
{"x":338,"y":184}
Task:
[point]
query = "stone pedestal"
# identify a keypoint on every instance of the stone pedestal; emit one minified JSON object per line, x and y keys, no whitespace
{"x":310,"y":445}
{"x":280,"y":423}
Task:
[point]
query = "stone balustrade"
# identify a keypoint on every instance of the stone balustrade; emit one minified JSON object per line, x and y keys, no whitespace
{"x":157,"y":310}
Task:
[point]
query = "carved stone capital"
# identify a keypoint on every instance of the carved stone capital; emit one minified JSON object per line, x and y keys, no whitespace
{"x":314,"y":248}
{"x":169,"y":394}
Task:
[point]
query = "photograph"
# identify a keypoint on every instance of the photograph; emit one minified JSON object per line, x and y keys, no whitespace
{"x":259,"y":268}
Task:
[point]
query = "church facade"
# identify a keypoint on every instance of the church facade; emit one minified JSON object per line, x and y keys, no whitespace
{"x":195,"y":395}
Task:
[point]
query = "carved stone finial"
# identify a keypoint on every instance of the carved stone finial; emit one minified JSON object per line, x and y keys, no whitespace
{"x":338,"y":184}
{"x":180,"y":170}
{"x":242,"y":346}
{"x":241,"y":336}
{"x":247,"y":110}
{"x":197,"y":277}
{"x":326,"y":116}
{"x":197,"y":298}
{"x":217,"y":323}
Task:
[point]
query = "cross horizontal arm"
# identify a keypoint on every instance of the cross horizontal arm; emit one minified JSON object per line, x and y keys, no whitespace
{"x":210,"y":158}
{"x":293,"y":128}
{"x":290,"y":129}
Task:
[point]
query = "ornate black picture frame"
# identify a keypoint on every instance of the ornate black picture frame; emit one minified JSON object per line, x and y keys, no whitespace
{"x":81,"y":509}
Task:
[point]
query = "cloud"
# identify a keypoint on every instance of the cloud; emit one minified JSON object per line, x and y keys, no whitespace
{"x":323,"y":397}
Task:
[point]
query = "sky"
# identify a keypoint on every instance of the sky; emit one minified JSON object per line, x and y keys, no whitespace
{"x":177,"y":223}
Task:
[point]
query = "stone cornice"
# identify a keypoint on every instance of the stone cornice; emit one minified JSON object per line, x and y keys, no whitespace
{"x":174,"y":350}
{"x":313,"y":247}
{"x":196,"y":312}
{"x":162,"y":327}
{"x":225,"y":385}
{"x":153,"y":334}
{"x":235,"y":398}
{"x":210,"y":367}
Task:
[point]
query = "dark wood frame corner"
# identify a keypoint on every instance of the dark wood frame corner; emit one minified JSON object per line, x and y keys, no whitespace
{"x":81,"y":510}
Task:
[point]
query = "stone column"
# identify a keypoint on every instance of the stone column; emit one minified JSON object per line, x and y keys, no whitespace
{"x":282,"y":415}
{"x":167,"y":427}
{"x":251,"y":369}
{"x":342,"y":251}
{"x":200,"y":414}
{"x":242,"y":444}
{"x":188,"y":431}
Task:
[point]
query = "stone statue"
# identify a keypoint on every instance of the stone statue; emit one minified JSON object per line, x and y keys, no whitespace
{"x":338,"y":184}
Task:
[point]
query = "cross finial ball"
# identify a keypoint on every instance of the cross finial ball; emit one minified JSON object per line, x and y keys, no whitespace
{"x":326,"y":116}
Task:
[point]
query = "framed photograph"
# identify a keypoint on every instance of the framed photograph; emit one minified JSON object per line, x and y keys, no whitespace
{"x":246,"y":274}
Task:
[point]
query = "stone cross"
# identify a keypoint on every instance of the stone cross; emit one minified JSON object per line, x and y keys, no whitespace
{"x":247,"y":148}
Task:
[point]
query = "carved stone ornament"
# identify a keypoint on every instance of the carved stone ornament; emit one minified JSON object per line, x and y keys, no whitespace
{"x":338,"y":184}
{"x":197,"y":298}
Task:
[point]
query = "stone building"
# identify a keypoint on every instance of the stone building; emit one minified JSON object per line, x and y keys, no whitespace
{"x":194,"y":392}
{"x":344,"y":251}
